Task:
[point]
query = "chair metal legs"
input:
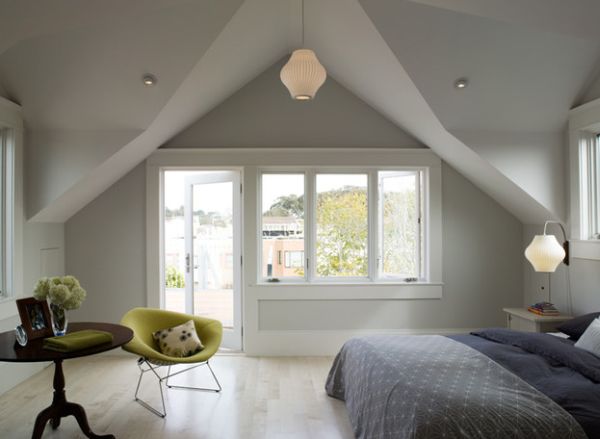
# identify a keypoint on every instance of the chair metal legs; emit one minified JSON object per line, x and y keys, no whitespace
{"x":203,"y":389}
{"x":143,"y":403}
{"x":154,"y":369}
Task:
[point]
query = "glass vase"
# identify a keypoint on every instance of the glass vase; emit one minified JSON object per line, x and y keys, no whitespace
{"x":59,"y":319}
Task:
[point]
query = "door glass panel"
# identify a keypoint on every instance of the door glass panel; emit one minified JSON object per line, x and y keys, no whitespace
{"x":174,"y":244}
{"x":212,"y":233}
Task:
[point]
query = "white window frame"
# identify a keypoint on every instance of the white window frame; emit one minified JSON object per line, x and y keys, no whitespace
{"x":421,"y":255}
{"x":374,"y":274}
{"x":584,"y":126}
{"x":11,"y":140}
{"x":281,"y":171}
{"x":589,"y":185}
{"x":251,"y":160}
{"x":311,"y":265}
{"x":287,"y":257}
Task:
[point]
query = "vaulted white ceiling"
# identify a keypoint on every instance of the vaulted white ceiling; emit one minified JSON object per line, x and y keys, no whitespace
{"x":523,"y":76}
{"x":75,"y":67}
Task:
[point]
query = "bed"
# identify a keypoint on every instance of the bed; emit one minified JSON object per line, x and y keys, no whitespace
{"x":494,"y":383}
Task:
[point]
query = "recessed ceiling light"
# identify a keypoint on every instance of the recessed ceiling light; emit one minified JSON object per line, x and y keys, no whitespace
{"x":461,"y":83}
{"x":149,"y":80}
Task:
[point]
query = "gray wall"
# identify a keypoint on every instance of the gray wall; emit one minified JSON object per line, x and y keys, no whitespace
{"x":58,"y":159}
{"x":262,"y":114}
{"x":106,"y":249}
{"x":534,"y":161}
{"x":482,"y":257}
{"x":43,"y":255}
{"x":482,"y":262}
{"x":582,"y":277}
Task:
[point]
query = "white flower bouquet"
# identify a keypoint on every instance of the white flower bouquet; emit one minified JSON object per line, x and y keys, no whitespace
{"x":63,"y":291}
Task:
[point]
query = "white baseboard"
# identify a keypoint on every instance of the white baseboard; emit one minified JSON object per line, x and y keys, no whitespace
{"x":322,"y":343}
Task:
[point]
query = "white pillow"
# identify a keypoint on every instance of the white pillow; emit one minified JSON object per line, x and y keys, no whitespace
{"x":179,"y":341}
{"x":590,"y":339}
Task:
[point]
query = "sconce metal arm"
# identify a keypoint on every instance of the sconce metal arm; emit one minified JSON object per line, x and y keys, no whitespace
{"x":566,"y":241}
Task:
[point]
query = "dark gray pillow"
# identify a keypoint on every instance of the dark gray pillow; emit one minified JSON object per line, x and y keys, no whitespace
{"x":575,"y":327}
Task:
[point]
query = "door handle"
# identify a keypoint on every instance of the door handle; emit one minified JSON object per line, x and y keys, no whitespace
{"x":187,"y":263}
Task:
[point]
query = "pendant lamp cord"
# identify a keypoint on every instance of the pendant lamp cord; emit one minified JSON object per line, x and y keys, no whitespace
{"x":302,"y":24}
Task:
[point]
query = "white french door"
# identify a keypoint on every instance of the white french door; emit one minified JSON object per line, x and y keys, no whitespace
{"x":213,"y":251}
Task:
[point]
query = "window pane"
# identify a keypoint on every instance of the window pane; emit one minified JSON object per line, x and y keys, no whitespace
{"x":590,"y":186}
{"x":283,"y":225}
{"x":595,"y":183}
{"x":342,"y":225}
{"x":3,"y":213}
{"x":400,"y":223}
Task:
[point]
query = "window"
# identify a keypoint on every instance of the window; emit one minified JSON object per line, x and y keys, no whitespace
{"x":3,"y":223}
{"x":6,"y":211}
{"x":399,"y":224}
{"x":342,"y":220}
{"x":282,"y":226}
{"x":294,"y":259}
{"x":351,"y":226}
{"x":589,"y":173}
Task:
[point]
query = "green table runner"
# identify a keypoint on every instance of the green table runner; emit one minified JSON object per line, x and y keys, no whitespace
{"x":76,"y":341}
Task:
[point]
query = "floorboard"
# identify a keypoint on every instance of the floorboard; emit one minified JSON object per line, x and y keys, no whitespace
{"x":262,"y":397}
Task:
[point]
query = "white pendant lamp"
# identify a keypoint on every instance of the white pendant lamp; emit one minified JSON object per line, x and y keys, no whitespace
{"x":303,"y":74}
{"x":545,"y":252}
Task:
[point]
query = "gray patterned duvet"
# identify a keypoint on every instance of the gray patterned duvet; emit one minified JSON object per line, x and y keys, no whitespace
{"x":433,"y":387}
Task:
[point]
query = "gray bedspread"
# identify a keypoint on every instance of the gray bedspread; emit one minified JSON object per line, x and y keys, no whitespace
{"x":433,"y":387}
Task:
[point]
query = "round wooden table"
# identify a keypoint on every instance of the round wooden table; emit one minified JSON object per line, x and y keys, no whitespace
{"x":34,"y":352}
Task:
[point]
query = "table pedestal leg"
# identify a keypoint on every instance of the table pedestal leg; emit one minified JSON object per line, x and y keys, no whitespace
{"x":60,"y":408}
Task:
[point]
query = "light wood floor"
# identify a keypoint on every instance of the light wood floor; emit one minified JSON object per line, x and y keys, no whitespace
{"x":261,"y":398}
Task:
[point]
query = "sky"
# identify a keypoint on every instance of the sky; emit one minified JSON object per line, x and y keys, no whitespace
{"x":175,"y":190}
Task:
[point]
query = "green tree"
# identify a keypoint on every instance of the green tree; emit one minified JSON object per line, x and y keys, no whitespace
{"x":342,"y":232}
{"x":400,"y":231}
{"x":174,"y":278}
{"x":289,"y":205}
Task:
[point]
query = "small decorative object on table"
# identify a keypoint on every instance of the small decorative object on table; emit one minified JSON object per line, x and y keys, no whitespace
{"x":35,"y":317}
{"x":543,"y":309}
{"x":63,"y":294}
{"x":21,"y":336}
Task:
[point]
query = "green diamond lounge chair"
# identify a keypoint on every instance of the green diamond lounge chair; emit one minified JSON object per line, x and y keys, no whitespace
{"x":144,"y":322}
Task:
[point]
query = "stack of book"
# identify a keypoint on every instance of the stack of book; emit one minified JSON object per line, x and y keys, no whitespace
{"x":543,"y":309}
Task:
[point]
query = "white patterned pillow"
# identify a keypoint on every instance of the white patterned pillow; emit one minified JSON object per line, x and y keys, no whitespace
{"x":590,"y":339}
{"x":179,"y":341}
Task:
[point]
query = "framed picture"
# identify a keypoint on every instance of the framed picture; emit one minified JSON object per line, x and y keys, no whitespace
{"x":35,"y":317}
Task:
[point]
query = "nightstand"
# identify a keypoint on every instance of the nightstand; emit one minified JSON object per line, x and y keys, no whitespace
{"x":522,"y":320}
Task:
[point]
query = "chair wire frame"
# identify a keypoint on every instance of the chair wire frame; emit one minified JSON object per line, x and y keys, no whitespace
{"x":146,"y":365}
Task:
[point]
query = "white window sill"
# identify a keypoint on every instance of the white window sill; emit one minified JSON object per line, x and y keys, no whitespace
{"x":585,"y":249}
{"x":343,"y":283}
